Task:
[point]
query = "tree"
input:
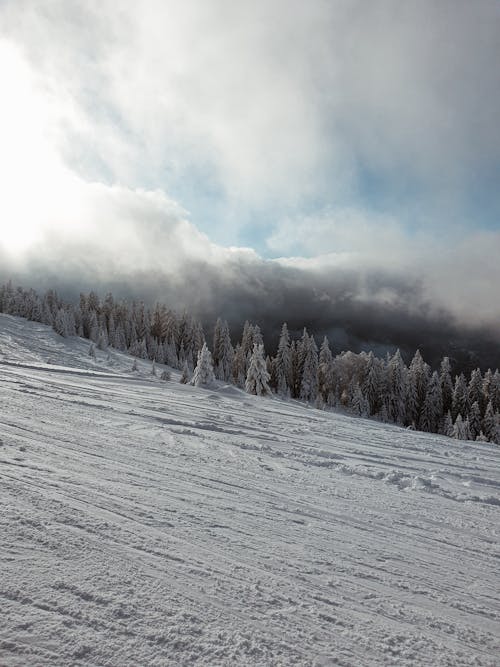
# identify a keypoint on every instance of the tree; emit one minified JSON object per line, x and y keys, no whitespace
{"x":371,"y":384}
{"x":257,"y":380}
{"x":223,"y":351}
{"x":475,"y":389}
{"x":459,"y":403}
{"x":185,"y":376}
{"x":446,"y":384}
{"x":397,"y":378}
{"x":359,"y":403}
{"x":489,"y":422}
{"x":447,"y":425}
{"x":460,"y":429}
{"x":474,"y":420}
{"x":309,"y":380}
{"x":203,"y":375}
{"x":283,"y":364}
{"x":418,"y":378}
{"x":432,"y":408}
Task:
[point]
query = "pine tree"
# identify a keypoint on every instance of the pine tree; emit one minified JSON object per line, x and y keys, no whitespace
{"x":419,"y":374}
{"x":459,"y":402}
{"x":203,"y":375}
{"x":475,"y":389}
{"x":447,"y":425}
{"x":359,"y":404}
{"x":397,"y":378}
{"x":309,"y":379}
{"x":459,"y":429}
{"x":474,"y":420}
{"x":489,"y":422}
{"x":185,"y":376}
{"x":134,"y":365}
{"x":446,"y":384}
{"x":223,"y":351}
{"x":257,"y":380}
{"x":283,"y":364}
{"x":239,"y":366}
{"x":371,"y":384}
{"x":432,"y":409}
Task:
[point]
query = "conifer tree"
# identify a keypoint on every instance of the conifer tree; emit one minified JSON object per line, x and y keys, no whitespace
{"x":203,"y":375}
{"x":283,"y":364}
{"x":309,"y":379}
{"x":432,"y":409}
{"x":459,"y":402}
{"x":257,"y":380}
{"x":459,"y":429}
{"x":371,"y":384}
{"x":446,"y":384}
{"x":475,"y":388}
{"x":185,"y":375}
{"x":397,"y":380}
{"x":489,"y":422}
{"x":474,"y":417}
{"x":447,"y":425}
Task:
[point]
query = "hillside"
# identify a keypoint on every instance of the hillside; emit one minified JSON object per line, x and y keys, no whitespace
{"x":151,"y":523}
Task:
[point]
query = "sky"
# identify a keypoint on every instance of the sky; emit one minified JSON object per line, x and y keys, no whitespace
{"x":264,"y":138}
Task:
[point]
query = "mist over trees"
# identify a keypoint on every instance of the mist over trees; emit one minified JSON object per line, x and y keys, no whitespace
{"x":413,"y":396}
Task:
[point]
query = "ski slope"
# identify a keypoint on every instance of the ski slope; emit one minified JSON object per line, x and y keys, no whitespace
{"x":151,"y":523}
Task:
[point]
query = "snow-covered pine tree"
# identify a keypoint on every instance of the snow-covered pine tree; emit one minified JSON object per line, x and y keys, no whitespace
{"x":474,"y":417}
{"x":486,"y":390}
{"x":418,"y":378}
{"x":223,"y":351}
{"x":359,"y":403}
{"x":459,"y":401}
{"x":495,"y":391}
{"x":432,"y":409}
{"x":257,"y":380}
{"x":397,"y":386}
{"x":185,"y":375}
{"x":489,"y":422}
{"x":283,"y":364}
{"x":475,"y":388}
{"x":102,"y":339}
{"x":460,"y":429}
{"x":239,"y":366}
{"x":309,"y":379}
{"x":203,"y":375}
{"x":446,"y":384}
{"x":371,"y":384}
{"x":447,"y":425}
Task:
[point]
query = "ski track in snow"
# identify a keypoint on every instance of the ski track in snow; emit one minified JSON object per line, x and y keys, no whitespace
{"x":151,"y":523}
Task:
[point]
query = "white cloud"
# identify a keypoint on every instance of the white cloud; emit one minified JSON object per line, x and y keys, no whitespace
{"x":106,"y":105}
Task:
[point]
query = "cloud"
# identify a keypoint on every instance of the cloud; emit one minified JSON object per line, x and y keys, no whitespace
{"x":357,"y":138}
{"x":270,"y":105}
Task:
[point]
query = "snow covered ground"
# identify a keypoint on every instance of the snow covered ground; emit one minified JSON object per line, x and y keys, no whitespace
{"x":150,"y":523}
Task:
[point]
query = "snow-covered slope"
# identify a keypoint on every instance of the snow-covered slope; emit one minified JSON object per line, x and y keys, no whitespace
{"x":151,"y":523}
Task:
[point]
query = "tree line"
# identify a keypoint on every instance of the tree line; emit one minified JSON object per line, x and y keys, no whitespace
{"x":414,"y":395}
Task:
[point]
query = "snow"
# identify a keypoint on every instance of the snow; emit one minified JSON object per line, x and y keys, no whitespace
{"x":152,"y":523}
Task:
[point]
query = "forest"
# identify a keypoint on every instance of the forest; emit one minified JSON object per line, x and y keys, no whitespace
{"x":412,"y":395}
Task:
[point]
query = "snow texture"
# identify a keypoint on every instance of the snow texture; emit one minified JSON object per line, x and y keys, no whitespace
{"x":153,"y":523}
